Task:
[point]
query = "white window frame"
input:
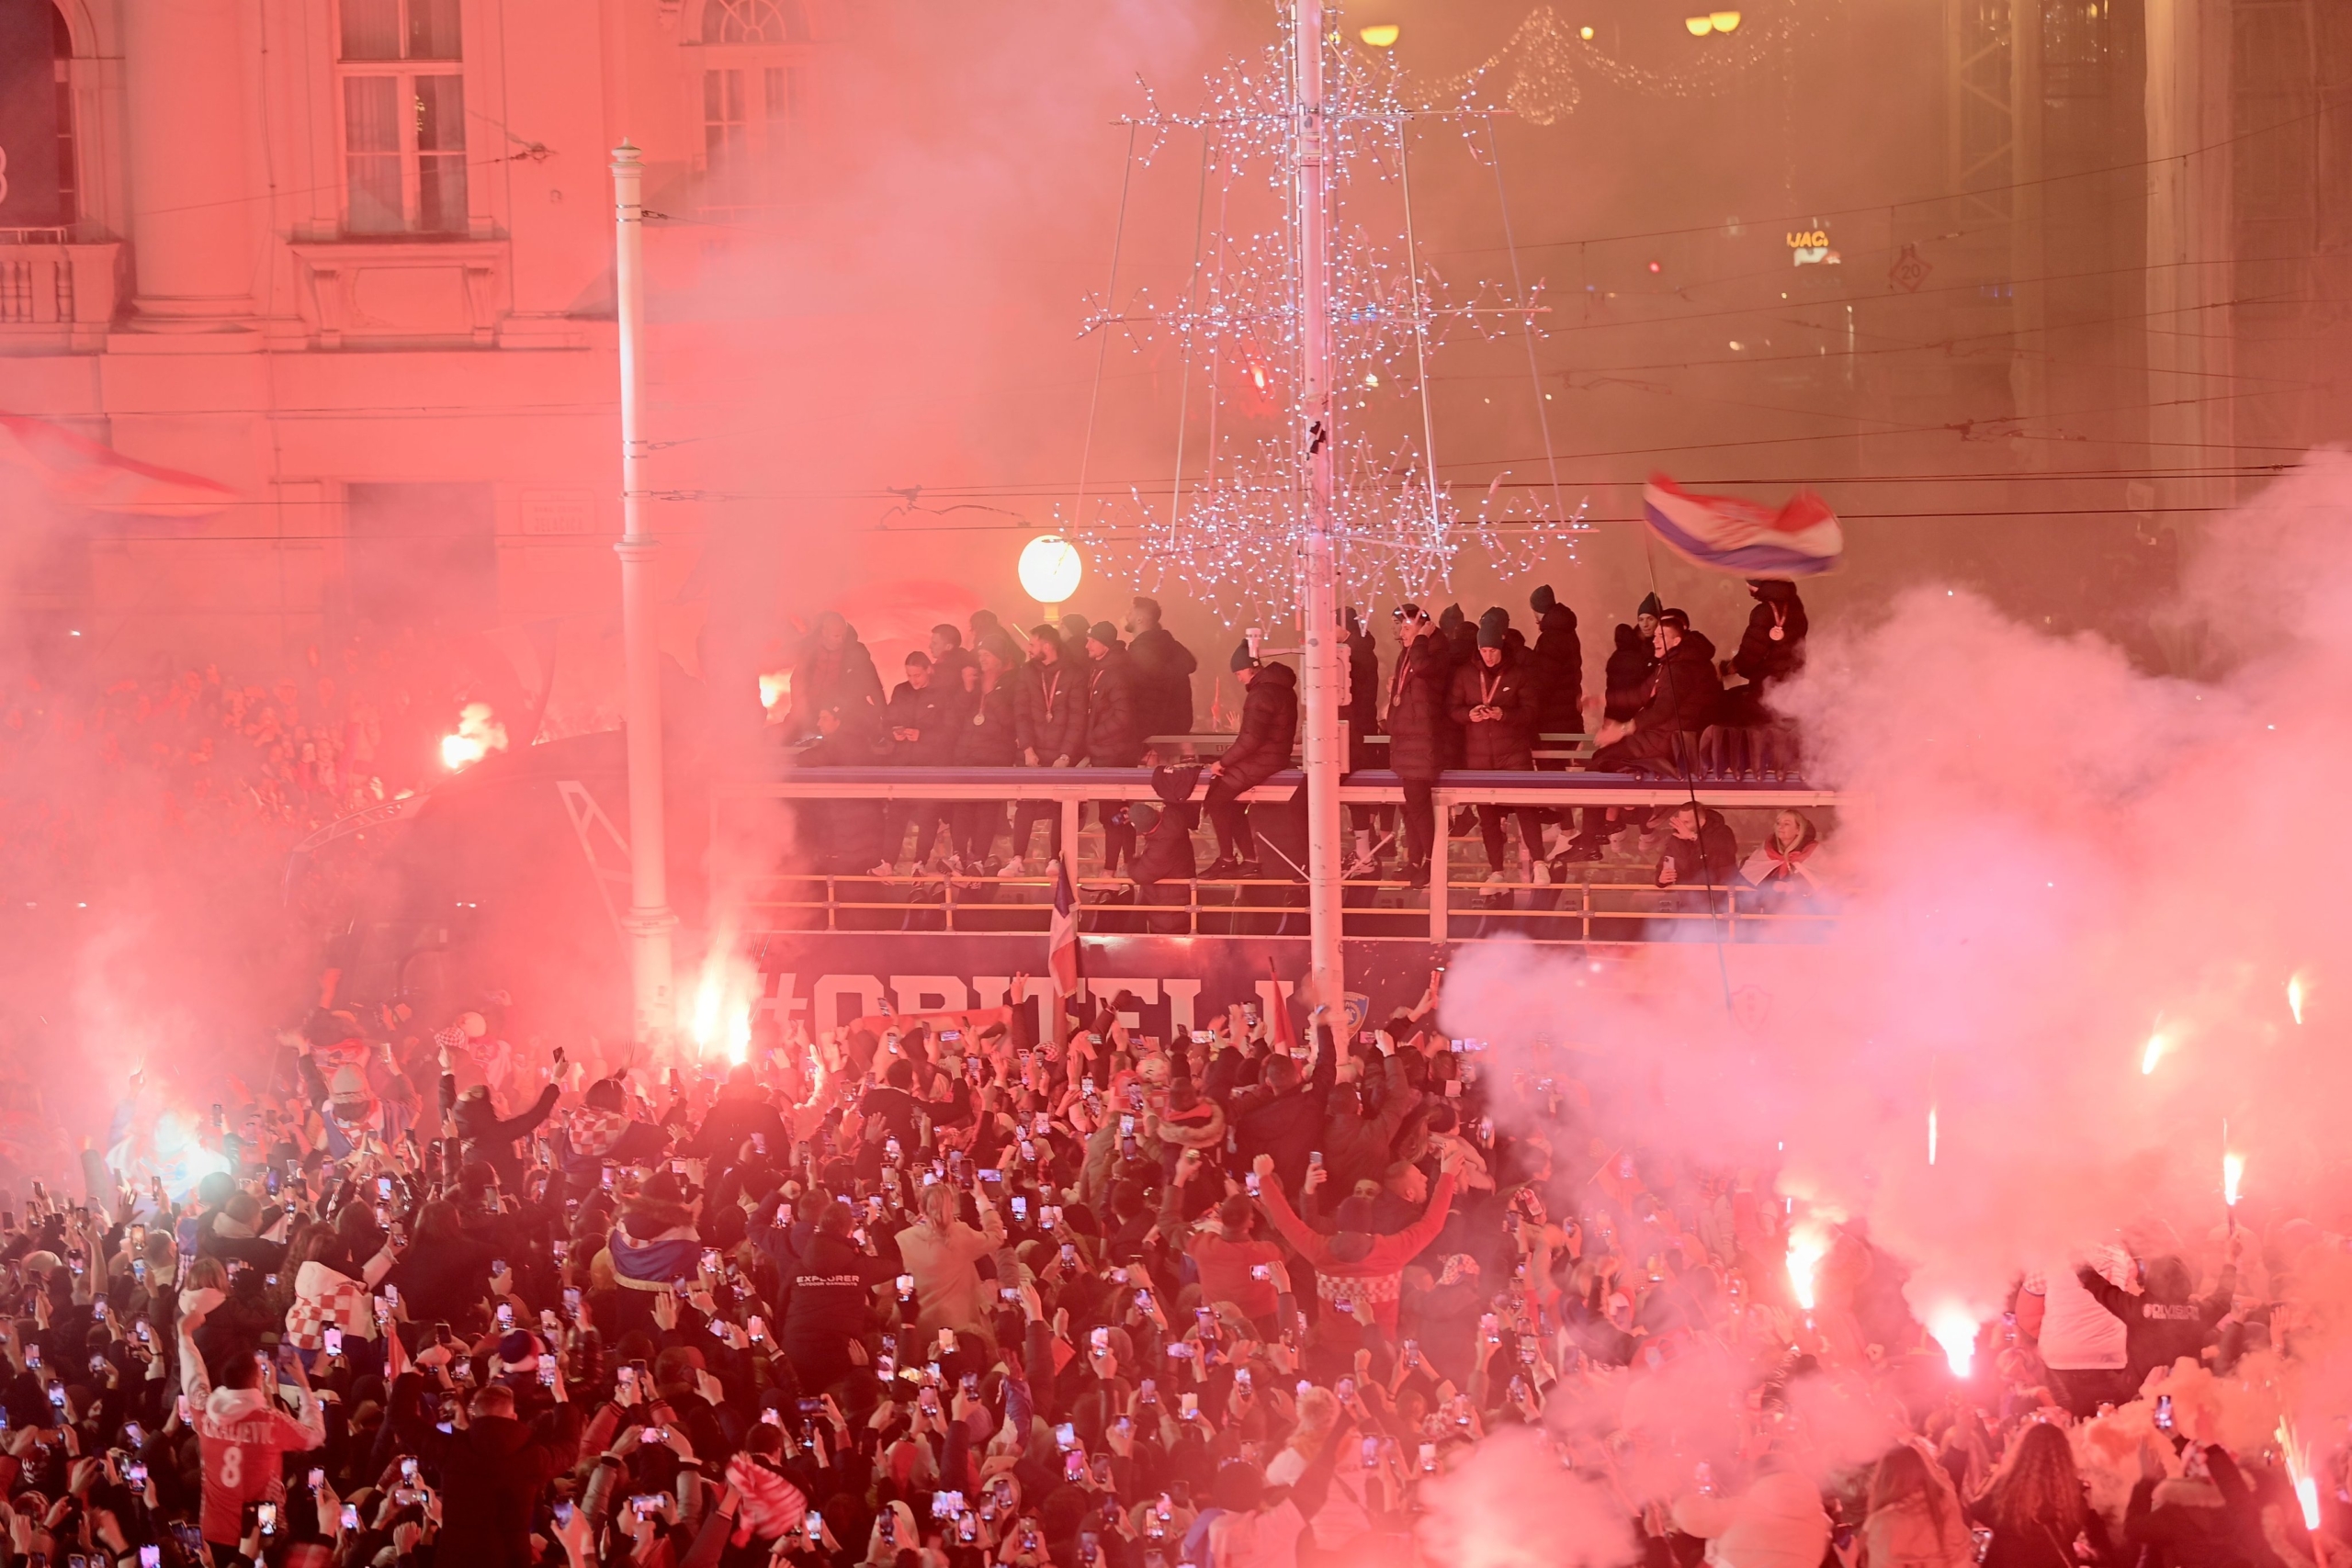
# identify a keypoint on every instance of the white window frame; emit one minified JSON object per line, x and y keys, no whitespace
{"x":404,"y":73}
{"x":769,"y":144}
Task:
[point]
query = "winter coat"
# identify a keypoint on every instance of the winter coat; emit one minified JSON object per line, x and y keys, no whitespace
{"x":1505,"y":743}
{"x":1268,"y":727}
{"x":1763,"y":658}
{"x":1420,"y":739}
{"x":1710,"y":860}
{"x":2161,"y":1324}
{"x":1628,"y":675}
{"x":1112,"y":738}
{"x":1776,"y":1523}
{"x":843,"y":836}
{"x":1165,"y":854}
{"x":491,"y":1140}
{"x":492,"y":1475}
{"x":1356,"y":1147}
{"x":1361,"y":714}
{"x":988,"y":738}
{"x":1050,"y":709}
{"x":842,"y":677}
{"x":830,"y":1305}
{"x":1904,"y":1536}
{"x":929,"y":713}
{"x":1684,"y":690}
{"x":1161,"y":668}
{"x":1559,"y":674}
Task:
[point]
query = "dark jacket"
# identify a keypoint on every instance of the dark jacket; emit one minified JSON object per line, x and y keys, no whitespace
{"x":1113,"y":739}
{"x":1684,"y":689}
{"x":841,"y":836}
{"x":1361,"y":714}
{"x":829,"y":1307}
{"x":1764,"y":660}
{"x":988,"y":736}
{"x":491,"y":1474}
{"x":1050,"y":709}
{"x":2161,"y":1324}
{"x":1161,"y":668}
{"x":1708,"y":860}
{"x":740,"y":1110}
{"x":1559,"y":674}
{"x":1420,"y":741}
{"x":1165,"y":854}
{"x":842,"y":677}
{"x":1627,"y":675}
{"x":929,"y":713}
{"x":491,"y":1140}
{"x":1269,"y":727}
{"x":1495,"y":743}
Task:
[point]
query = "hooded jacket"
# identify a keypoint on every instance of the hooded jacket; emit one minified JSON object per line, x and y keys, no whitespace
{"x":1559,"y":674}
{"x":929,"y":713}
{"x":1161,"y":668}
{"x":1420,"y":740}
{"x":1112,"y":738}
{"x":1684,"y":689}
{"x":1764,"y":658}
{"x":492,"y":1475}
{"x":1050,"y":709}
{"x":1627,"y":675}
{"x":1361,"y":714}
{"x":2161,"y":1324}
{"x":988,"y":736}
{"x":1268,"y":726}
{"x":1496,"y":744}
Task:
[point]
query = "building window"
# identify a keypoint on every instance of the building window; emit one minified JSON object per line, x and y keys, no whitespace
{"x":403,"y":118}
{"x":754,"y":101}
{"x":69,"y":205}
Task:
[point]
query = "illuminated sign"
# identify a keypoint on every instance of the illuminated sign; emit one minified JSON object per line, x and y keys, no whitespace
{"x":1810,"y":247}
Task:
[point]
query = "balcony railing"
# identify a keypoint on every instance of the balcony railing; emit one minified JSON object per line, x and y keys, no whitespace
{"x":55,"y":294}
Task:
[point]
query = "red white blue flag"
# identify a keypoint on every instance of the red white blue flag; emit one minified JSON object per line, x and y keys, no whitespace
{"x":1799,"y":540}
{"x":1061,"y":936}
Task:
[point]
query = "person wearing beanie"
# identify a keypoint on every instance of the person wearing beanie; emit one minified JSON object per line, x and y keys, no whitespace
{"x":1420,"y":730}
{"x":1112,"y":737}
{"x":1049,"y":726}
{"x":1559,"y":666}
{"x":1261,"y":749}
{"x":1685,"y":692}
{"x":1491,"y":700}
{"x":1750,"y":739}
{"x":1162,"y":671}
{"x":600,"y":1132}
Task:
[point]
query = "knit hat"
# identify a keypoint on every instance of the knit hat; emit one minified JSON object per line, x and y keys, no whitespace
{"x":1451,"y":618}
{"x":1650,"y":605}
{"x":1542,"y":598}
{"x":1104,"y":633}
{"x":1242,"y":658}
{"x":1492,"y":625}
{"x":518,"y":1348}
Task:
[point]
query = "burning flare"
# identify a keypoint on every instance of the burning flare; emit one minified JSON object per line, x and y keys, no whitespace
{"x":1808,"y":1245}
{"x":1955,"y":1330}
{"x":2295,"y":992}
{"x":1931,"y":1134}
{"x":478,"y":735}
{"x":2157,"y":1045}
{"x":2299,"y":1471}
{"x":2232,"y":1172}
{"x":776,"y":690}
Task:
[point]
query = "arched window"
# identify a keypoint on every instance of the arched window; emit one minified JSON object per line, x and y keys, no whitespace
{"x":37,"y":175}
{"x":754,"y":88}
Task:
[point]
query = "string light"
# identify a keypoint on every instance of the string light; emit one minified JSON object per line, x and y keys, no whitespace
{"x":1228,"y":536}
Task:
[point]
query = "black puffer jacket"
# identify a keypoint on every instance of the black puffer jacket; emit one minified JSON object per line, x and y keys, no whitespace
{"x":1495,"y":743}
{"x":1050,"y":709}
{"x":1269,"y":727}
{"x":1162,"y":670}
{"x":1361,"y":714}
{"x":1686,"y":690}
{"x":1420,"y":729}
{"x":929,"y":714}
{"x":1166,"y":853}
{"x":1559,"y":674}
{"x":1628,"y":675}
{"x":987,"y":737}
{"x":828,"y":1306}
{"x":1112,"y":738}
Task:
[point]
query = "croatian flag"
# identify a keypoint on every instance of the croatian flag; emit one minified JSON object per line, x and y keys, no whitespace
{"x":77,"y":471}
{"x":1061,"y":937}
{"x":1799,"y":540}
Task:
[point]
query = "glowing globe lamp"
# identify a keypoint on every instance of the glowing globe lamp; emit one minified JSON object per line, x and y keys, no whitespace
{"x":1049,"y":568}
{"x":1380,"y":37}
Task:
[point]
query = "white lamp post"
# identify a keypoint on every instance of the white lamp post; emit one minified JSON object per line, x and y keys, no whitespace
{"x":1051,"y":570}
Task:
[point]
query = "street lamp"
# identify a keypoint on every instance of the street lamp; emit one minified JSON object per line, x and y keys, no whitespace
{"x":1051,"y":570}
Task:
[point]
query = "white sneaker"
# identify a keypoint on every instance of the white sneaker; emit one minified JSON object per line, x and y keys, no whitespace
{"x":1013,"y":868}
{"x":884,"y":869}
{"x":1495,"y":879}
{"x":1543,"y":873}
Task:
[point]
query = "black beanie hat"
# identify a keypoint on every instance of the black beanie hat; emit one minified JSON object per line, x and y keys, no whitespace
{"x":1542,"y":598}
{"x":1104,"y":633}
{"x":1492,"y":625}
{"x":1451,"y":618}
{"x":1650,"y":605}
{"x":1241,"y":657}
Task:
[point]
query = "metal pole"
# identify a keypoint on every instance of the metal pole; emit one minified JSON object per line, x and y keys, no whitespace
{"x":649,"y":919}
{"x":1324,"y":752}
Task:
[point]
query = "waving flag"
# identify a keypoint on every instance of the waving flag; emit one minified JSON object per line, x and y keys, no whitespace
{"x":1061,"y":936}
{"x":1799,"y":540}
{"x":79,"y":471}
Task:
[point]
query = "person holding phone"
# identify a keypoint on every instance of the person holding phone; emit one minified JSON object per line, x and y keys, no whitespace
{"x":241,"y":1429}
{"x":494,"y":1470}
{"x":941,"y":1251}
{"x":1236,"y":1264}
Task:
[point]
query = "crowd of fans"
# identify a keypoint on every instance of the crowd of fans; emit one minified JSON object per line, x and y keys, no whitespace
{"x":1458,"y":693}
{"x":941,"y":1294}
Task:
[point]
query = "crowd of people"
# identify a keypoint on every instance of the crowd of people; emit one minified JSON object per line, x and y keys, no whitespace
{"x":1457,"y":693}
{"x":948,"y":1292}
